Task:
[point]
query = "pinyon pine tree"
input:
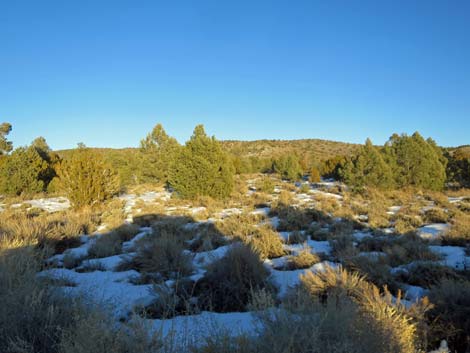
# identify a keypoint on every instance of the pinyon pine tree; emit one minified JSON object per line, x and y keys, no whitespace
{"x":416,"y":161}
{"x":158,"y":151}
{"x":202,"y":168}
{"x":367,"y":168}
{"x":86,"y":178}
{"x":23,"y":171}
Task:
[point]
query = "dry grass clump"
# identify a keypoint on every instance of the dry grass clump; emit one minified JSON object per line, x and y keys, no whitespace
{"x":265,"y":184}
{"x":327,"y":204}
{"x":295,"y":218}
{"x":459,"y":233}
{"x":427,"y":274}
{"x":375,"y":270}
{"x":406,"y":223}
{"x":436,"y":215}
{"x":304,"y":259}
{"x":408,"y":248}
{"x":172,"y":301}
{"x":239,"y":226}
{"x":296,"y":237}
{"x":230,"y":281}
{"x":162,"y":256}
{"x":342,"y":241}
{"x":389,"y":326}
{"x":377,"y":217}
{"x":56,"y":232}
{"x":111,"y":243}
{"x":266,"y":242}
{"x":316,"y":232}
{"x":451,"y":313}
{"x":113,"y":214}
{"x":208,"y":238}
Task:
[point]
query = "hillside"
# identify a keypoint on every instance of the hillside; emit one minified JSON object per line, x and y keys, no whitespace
{"x":318,"y":149}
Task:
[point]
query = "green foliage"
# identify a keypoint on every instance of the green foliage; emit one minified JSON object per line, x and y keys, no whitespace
{"x":458,"y":168}
{"x":288,"y":166}
{"x":202,"y":168}
{"x":5,"y":145}
{"x":367,"y":168}
{"x":25,"y":170}
{"x":314,"y":175}
{"x":158,"y":151}
{"x":416,"y":161}
{"x":86,"y":178}
{"x":331,"y":167}
{"x":403,"y":161}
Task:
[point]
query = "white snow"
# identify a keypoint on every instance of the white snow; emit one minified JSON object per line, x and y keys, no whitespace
{"x":432,"y":231}
{"x":284,"y":280}
{"x":393,"y":210}
{"x":317,"y":247}
{"x":454,"y":256}
{"x":109,"y":263}
{"x":107,"y":288}
{"x":359,"y":236}
{"x":53,"y":204}
{"x":129,"y":245}
{"x":192,"y":330}
{"x":414,"y":293}
{"x":207,"y":257}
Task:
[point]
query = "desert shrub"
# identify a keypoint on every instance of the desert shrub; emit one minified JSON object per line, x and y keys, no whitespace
{"x":288,"y":167}
{"x":304,"y":259}
{"x":294,"y":218}
{"x":163,"y":256}
{"x":172,"y":301}
{"x":377,"y":216}
{"x":202,"y":168}
{"x":265,"y":184}
{"x":239,"y":226}
{"x":314,"y":176}
{"x":342,"y":246}
{"x":367,"y":168}
{"x":24,"y":171}
{"x":427,"y":274}
{"x":296,"y":237}
{"x":304,"y":188}
{"x":208,"y":238}
{"x":285,"y":198}
{"x":316,"y":232}
{"x":408,"y":248}
{"x":407,"y":223}
{"x":374,"y":270}
{"x":106,"y":245}
{"x":54,"y":232}
{"x":86,"y":179}
{"x":451,"y":299}
{"x":110,"y":244}
{"x":459,"y":232}
{"x":388,"y":325}
{"x":266,"y":242}
{"x":229,"y":281}
{"x":436,"y":215}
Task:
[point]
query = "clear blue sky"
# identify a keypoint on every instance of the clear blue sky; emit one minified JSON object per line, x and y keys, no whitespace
{"x":105,"y":72}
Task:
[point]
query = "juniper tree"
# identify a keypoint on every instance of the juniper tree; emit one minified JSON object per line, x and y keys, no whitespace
{"x":416,"y":161}
{"x":23,"y":171}
{"x":202,"y":167}
{"x":86,"y":178}
{"x":288,"y":166}
{"x":158,"y":151}
{"x":367,"y":168}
